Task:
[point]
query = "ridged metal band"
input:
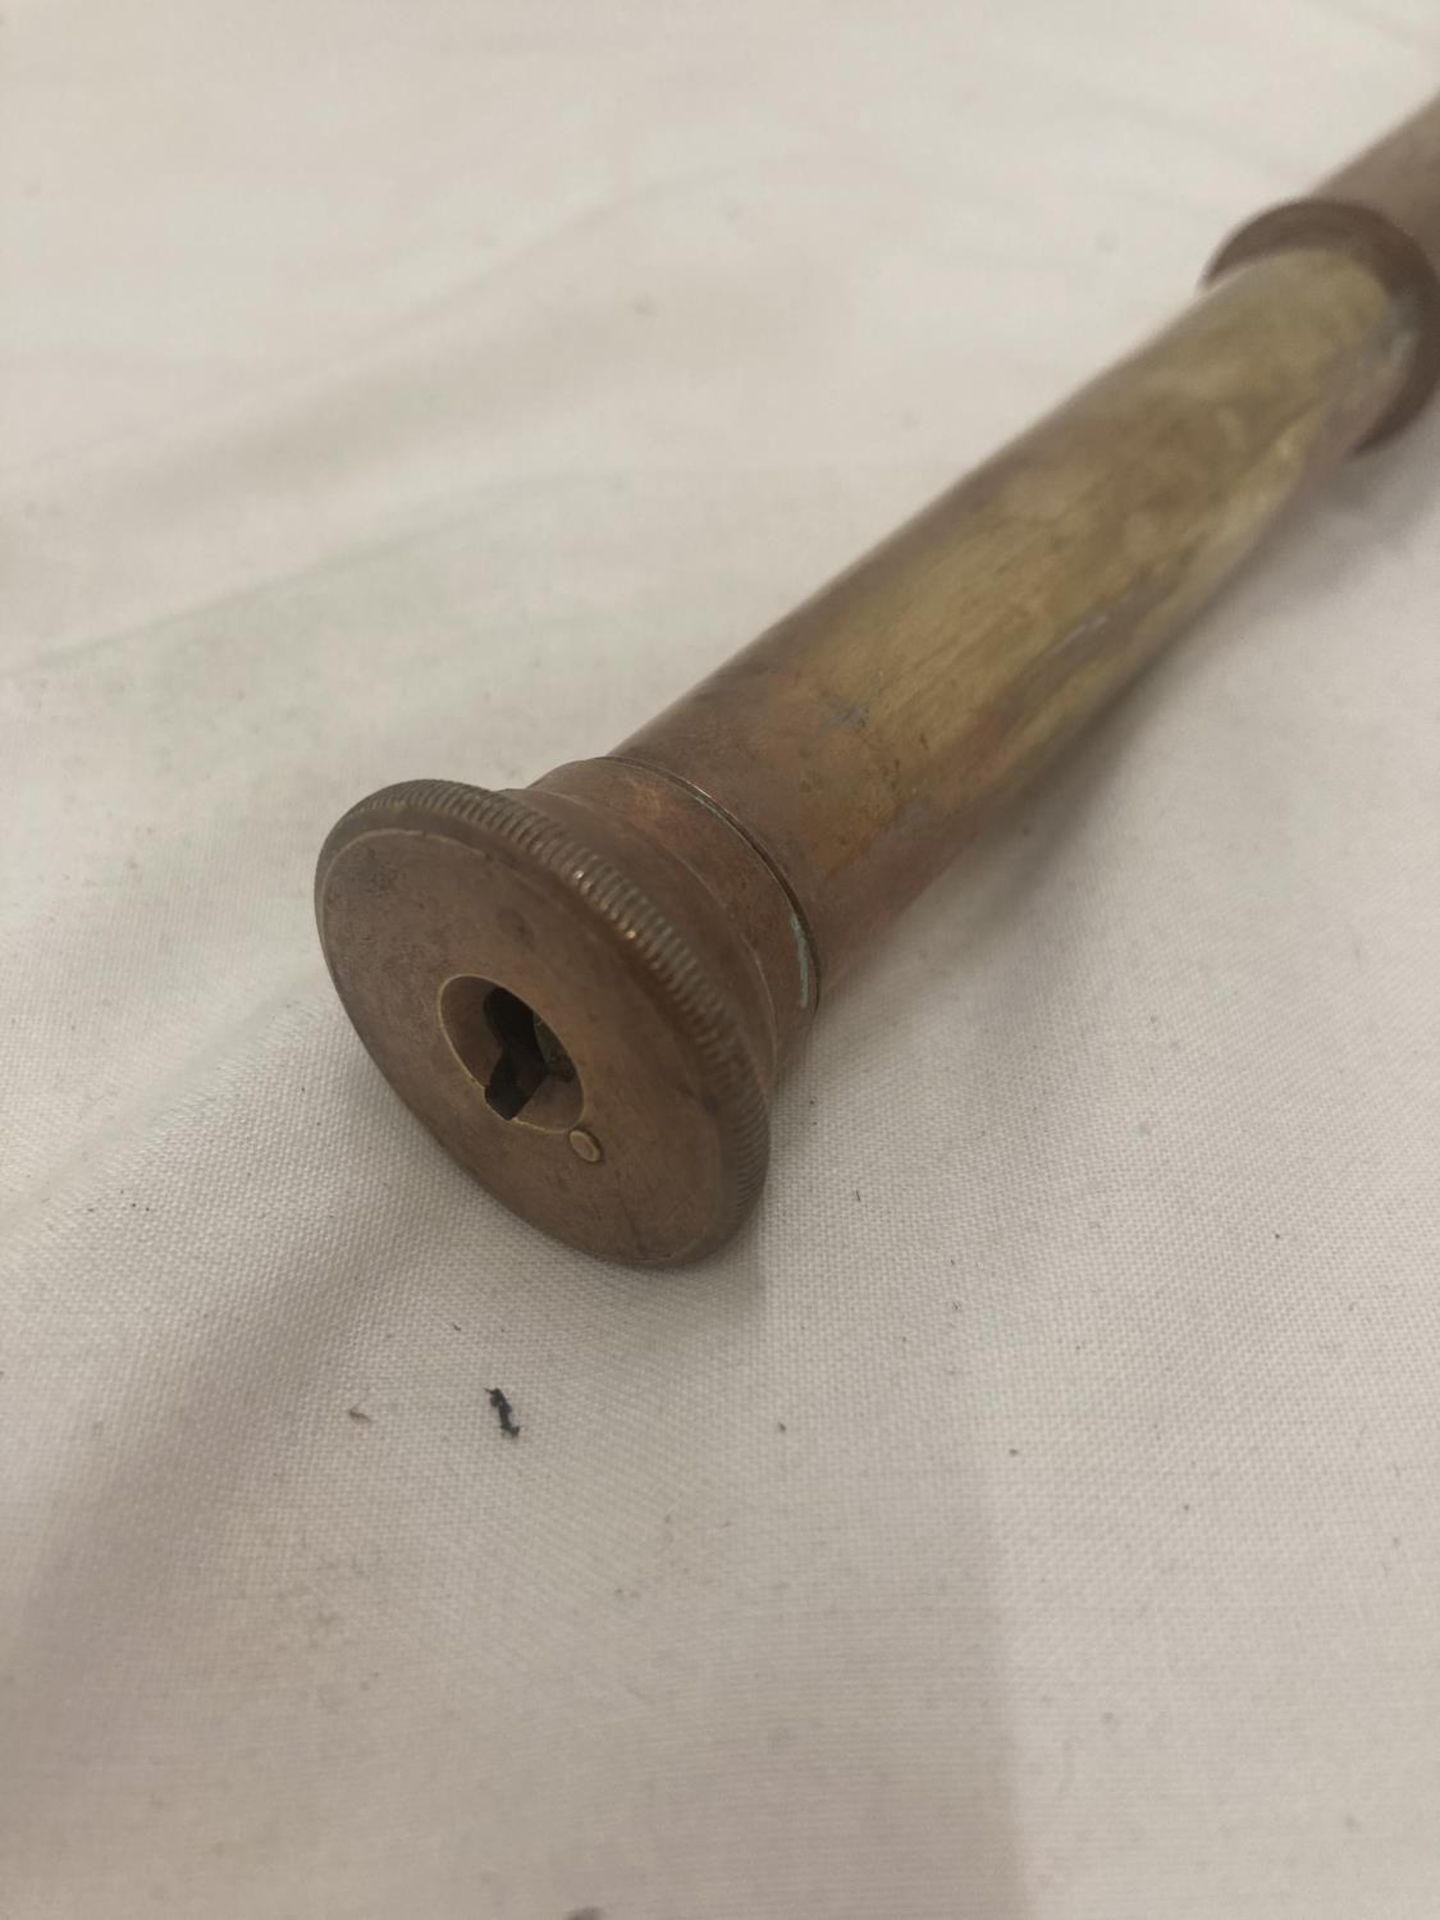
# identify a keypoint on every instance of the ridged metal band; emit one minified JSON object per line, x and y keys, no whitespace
{"x":733,"y":1088}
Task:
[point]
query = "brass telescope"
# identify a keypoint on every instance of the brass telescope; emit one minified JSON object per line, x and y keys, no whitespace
{"x":587,"y":989}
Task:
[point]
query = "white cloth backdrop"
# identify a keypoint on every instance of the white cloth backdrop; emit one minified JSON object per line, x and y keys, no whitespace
{"x":1037,"y":1514}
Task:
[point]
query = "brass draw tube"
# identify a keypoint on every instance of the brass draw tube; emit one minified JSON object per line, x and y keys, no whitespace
{"x":587,"y":989}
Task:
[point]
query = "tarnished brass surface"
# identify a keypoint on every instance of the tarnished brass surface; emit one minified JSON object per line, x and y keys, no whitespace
{"x":587,"y":990}
{"x":871,"y":734}
{"x":1384,"y":208}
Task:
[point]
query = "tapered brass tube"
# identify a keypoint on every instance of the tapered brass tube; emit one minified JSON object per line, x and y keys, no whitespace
{"x":587,"y":990}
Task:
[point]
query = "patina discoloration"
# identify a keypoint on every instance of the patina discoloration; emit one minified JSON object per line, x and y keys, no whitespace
{"x":587,"y":991}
